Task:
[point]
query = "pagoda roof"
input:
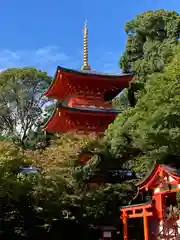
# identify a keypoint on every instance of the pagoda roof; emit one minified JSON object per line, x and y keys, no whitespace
{"x":65,"y":78}
{"x":92,"y":73}
{"x":55,"y":119}
{"x":151,"y":178}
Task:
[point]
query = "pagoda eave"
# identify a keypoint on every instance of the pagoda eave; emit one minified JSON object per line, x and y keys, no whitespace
{"x":66,"y":78}
{"x":90,"y":73}
{"x":157,"y":170}
{"x":89,"y":110}
{"x":67,"y":119}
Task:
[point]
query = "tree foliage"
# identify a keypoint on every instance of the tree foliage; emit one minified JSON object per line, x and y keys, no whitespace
{"x":151,"y":36}
{"x":21,"y":101}
{"x":152,"y":127}
{"x":16,"y":190}
{"x":58,"y":163}
{"x":140,"y":133}
{"x":121,"y":102}
{"x":67,"y":191}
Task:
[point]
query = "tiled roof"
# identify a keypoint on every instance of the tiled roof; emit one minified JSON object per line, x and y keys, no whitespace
{"x":93,"y":73}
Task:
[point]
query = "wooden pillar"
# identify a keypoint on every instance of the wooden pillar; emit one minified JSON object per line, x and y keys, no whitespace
{"x":125,"y":227}
{"x":146,"y":228}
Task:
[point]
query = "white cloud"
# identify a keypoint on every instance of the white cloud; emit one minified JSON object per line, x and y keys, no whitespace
{"x":52,"y":54}
{"x":46,"y":58}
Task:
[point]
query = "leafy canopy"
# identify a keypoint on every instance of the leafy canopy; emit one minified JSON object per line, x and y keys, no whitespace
{"x":153,"y":126}
{"x":21,"y":102}
{"x":151,"y":36}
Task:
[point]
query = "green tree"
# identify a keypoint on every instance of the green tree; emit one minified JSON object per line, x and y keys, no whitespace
{"x":29,"y":202}
{"x":58,"y":163}
{"x":121,"y":102}
{"x":152,"y":127}
{"x":21,"y":102}
{"x":151,"y":36}
{"x":64,"y":189}
{"x":15,"y":190}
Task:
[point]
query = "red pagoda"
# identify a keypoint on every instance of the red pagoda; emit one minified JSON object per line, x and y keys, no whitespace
{"x":84,"y":98}
{"x":158,"y":206}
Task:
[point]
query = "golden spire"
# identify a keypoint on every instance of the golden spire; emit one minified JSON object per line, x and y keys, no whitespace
{"x":85,"y":52}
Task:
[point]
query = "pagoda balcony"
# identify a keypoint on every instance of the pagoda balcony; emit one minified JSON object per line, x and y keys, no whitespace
{"x":96,"y":109}
{"x":87,"y":108}
{"x":86,"y":102}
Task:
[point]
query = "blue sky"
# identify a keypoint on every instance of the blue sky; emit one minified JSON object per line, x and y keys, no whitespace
{"x":47,"y":33}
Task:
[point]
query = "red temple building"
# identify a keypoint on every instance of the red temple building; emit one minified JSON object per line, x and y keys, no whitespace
{"x":160,"y":217}
{"x":84,"y":98}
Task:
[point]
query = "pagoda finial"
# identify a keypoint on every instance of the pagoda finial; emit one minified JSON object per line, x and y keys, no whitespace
{"x":85,"y":50}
